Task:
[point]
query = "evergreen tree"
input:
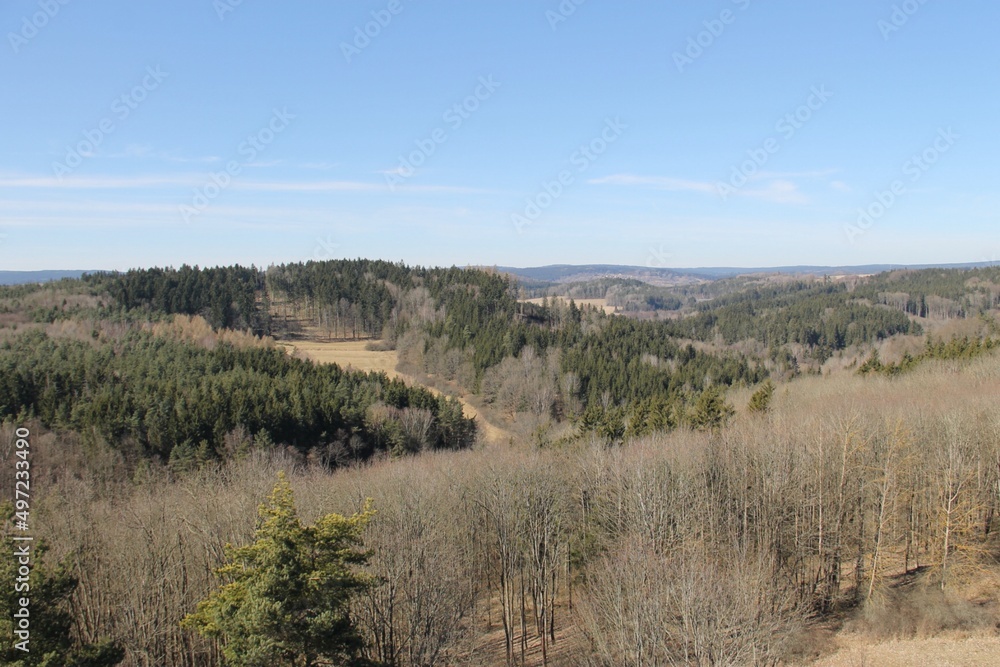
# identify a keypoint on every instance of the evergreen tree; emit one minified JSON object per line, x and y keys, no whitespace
{"x":50,"y":642}
{"x":710,"y":411}
{"x":760,"y":400}
{"x":286,"y":597}
{"x":873,"y":364}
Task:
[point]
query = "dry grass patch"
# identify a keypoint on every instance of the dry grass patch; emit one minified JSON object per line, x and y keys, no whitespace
{"x":356,"y":355}
{"x":856,"y":651}
{"x":347,"y":354}
{"x":599,"y":304}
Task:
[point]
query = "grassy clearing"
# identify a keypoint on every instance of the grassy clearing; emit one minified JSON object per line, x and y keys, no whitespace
{"x":856,"y":651}
{"x":348,"y":354}
{"x":356,"y":355}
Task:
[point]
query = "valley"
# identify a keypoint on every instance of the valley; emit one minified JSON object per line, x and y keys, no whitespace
{"x":801,"y":470}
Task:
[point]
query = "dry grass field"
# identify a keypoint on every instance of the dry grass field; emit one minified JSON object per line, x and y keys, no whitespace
{"x":853,"y":651}
{"x":848,"y":651}
{"x":348,"y":354}
{"x":356,"y":355}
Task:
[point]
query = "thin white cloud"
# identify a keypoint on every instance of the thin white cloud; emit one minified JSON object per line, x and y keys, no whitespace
{"x":83,"y":214}
{"x":136,"y":182}
{"x":778,"y":192}
{"x":96,"y":182}
{"x":309,"y":186}
{"x":658,"y":182}
{"x":82,"y":206}
{"x":135,"y":150}
{"x":318,"y":165}
{"x":349,"y":186}
{"x":264,"y":163}
{"x":792,"y":175}
{"x":146,"y":151}
{"x":198,"y":159}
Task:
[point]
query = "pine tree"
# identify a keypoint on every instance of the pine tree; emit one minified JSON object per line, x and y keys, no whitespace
{"x":286,"y":597}
{"x":760,"y":400}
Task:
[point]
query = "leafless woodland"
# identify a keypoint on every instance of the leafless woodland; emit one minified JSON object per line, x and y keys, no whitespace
{"x":869,"y":503}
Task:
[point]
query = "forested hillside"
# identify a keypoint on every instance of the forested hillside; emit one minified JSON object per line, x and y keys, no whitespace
{"x":823,"y":318}
{"x":462,"y":319}
{"x":556,"y":360}
{"x":184,"y":400}
{"x":226,"y":297}
{"x":155,"y":397}
{"x":762,"y":501}
{"x":936,"y":293}
{"x":626,"y":295}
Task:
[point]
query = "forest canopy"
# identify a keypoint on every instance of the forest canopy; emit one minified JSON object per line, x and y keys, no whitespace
{"x":179,"y":402}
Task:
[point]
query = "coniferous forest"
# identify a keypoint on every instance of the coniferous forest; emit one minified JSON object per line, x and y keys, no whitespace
{"x":715,"y":473}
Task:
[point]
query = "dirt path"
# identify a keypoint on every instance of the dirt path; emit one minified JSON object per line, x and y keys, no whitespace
{"x":353,"y":354}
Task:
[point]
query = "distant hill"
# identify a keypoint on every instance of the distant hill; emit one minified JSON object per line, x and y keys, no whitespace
{"x":563,"y":273}
{"x":22,"y":277}
{"x":568,"y":273}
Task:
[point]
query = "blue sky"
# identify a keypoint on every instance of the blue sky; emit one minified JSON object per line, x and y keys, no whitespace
{"x":723,"y":132}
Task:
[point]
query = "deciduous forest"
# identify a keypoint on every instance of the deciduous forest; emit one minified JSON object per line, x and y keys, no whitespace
{"x":730,"y":472}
